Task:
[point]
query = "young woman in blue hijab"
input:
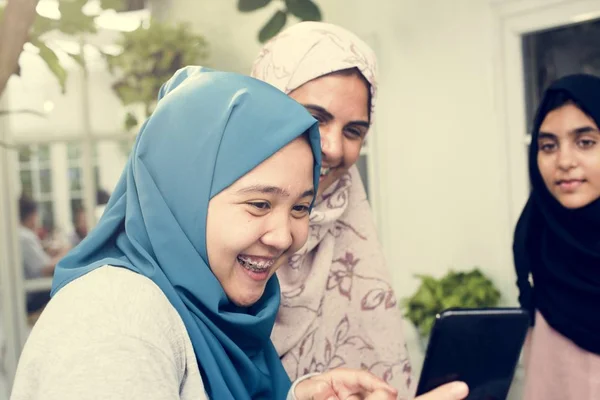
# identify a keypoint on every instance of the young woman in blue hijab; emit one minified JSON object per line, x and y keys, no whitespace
{"x":173,"y":294}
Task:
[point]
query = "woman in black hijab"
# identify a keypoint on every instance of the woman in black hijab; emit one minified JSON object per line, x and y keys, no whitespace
{"x":557,"y":244}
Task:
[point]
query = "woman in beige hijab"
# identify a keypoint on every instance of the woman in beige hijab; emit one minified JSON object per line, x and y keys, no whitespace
{"x":338,"y":306}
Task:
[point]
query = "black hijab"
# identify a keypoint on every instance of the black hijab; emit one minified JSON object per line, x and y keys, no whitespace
{"x":560,"y":247}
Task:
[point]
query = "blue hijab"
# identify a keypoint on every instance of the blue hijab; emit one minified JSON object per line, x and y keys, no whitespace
{"x":209,"y":129}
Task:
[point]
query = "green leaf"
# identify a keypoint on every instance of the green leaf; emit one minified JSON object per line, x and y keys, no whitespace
{"x":126,"y":93}
{"x":306,"y":10}
{"x":51,"y":60}
{"x":251,"y":5}
{"x":78,"y":59}
{"x":73,"y":20}
{"x":272,"y":27}
{"x":117,"y":5}
{"x":130,"y":121}
{"x":42,"y":25}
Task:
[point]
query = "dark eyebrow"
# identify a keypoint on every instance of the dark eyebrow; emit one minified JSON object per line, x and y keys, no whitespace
{"x":360,"y":123}
{"x":318,"y":109}
{"x":577,"y":132}
{"x":329,"y":116}
{"x":583,"y":130}
{"x":546,"y":135}
{"x":265,"y":189}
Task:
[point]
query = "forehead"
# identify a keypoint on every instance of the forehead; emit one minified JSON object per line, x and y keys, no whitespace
{"x":336,"y":93}
{"x":566,"y":118}
{"x":290,"y":168}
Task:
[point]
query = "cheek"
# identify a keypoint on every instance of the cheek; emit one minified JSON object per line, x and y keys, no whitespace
{"x":229,"y":233}
{"x":351,"y":151}
{"x":592,"y":169}
{"x":546,"y":167}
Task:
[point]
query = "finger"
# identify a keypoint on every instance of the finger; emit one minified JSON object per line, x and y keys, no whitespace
{"x":370,"y":383}
{"x":361,"y":383}
{"x":449,"y":391}
{"x":314,"y":389}
{"x":381,"y":395}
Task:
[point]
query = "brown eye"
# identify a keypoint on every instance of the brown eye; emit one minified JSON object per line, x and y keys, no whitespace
{"x":352,"y":133}
{"x":547,"y":147}
{"x":300,"y":210}
{"x":586,"y":143}
{"x":261,"y":205}
{"x":258,"y":208}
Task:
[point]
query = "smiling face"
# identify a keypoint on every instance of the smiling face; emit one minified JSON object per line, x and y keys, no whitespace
{"x":569,"y":156}
{"x":340,"y":102}
{"x":261,"y":219}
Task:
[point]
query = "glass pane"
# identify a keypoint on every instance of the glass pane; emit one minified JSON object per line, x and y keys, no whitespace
{"x":46,"y":217}
{"x":43,"y":153}
{"x":45,"y":181}
{"x":551,"y":54}
{"x":76,"y":204}
{"x":24,"y":154}
{"x":26,"y":183}
{"x":361,"y":164}
{"x":75,"y":179}
{"x":73,"y":151}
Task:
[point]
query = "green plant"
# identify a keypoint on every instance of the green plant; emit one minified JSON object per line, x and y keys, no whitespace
{"x":305,"y":10}
{"x":456,"y":289}
{"x":150,"y":56}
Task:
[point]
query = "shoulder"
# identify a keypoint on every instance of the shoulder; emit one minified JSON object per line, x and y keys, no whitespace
{"x":27,"y":235}
{"x":114,"y":301}
{"x":115,"y":326}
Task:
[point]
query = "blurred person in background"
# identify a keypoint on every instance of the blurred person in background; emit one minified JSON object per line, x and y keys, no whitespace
{"x":37,"y":263}
{"x":80,"y":229}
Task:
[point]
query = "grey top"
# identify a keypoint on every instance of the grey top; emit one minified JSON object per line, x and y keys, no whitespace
{"x":33,"y":254}
{"x":111,"y":334}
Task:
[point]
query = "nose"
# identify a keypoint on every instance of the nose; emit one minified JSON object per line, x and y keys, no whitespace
{"x":279,"y":233}
{"x":332,"y":144}
{"x":566,"y":158}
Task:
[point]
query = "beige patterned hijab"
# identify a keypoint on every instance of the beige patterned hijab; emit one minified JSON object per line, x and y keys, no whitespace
{"x":338,"y":307}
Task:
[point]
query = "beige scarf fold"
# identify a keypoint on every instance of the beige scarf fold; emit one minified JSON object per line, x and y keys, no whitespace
{"x":338,"y":306}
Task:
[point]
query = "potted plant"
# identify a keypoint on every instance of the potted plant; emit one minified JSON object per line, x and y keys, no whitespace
{"x":471,"y":289}
{"x":150,"y":56}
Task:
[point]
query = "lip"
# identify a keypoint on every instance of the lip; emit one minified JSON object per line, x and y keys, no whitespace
{"x":254,"y":275}
{"x":569,"y":185}
{"x":265,"y":259}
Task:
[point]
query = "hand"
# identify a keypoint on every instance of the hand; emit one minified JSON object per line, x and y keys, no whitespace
{"x":345,"y":384}
{"x":449,"y":391}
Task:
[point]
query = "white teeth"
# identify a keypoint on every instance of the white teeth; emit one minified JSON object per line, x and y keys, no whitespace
{"x":325,"y":171}
{"x":256,"y":266}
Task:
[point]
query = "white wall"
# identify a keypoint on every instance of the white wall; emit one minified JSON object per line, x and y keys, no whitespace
{"x":446,"y":203}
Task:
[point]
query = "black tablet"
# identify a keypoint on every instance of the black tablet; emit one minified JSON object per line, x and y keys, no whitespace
{"x":480,"y":347}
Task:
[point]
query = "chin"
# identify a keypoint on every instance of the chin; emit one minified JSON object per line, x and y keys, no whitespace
{"x":246,"y":300}
{"x":575,"y":203}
